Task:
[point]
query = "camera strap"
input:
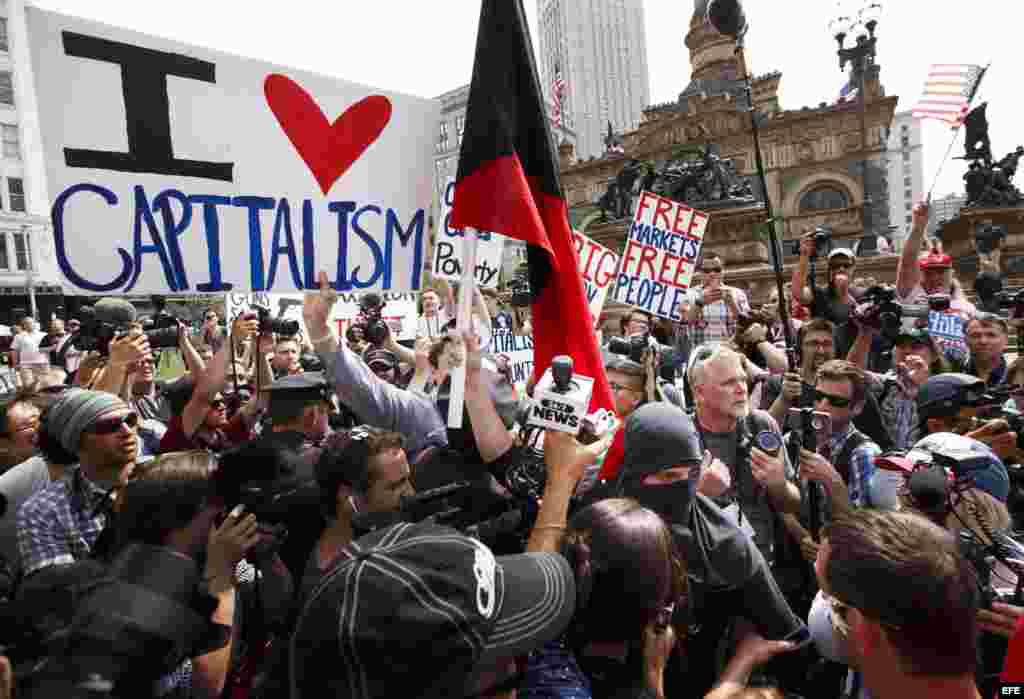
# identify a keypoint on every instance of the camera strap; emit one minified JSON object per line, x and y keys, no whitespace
{"x":742,"y":432}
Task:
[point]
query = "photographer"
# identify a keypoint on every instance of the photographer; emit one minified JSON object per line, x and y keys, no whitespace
{"x":200,"y":418}
{"x":714,"y":307}
{"x":835,"y":303}
{"x":212,"y":334}
{"x":949,"y":403}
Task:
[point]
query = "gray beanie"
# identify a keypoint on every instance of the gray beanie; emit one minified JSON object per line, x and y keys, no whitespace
{"x":76,"y":411}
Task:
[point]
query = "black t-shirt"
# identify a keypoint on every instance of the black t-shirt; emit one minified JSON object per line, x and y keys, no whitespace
{"x":838,"y":313}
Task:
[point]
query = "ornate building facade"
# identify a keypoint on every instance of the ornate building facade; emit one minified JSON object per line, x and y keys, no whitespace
{"x":820,"y":164}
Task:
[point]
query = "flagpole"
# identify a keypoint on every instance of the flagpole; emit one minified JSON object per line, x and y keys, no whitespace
{"x":467,"y":290}
{"x":956,"y":130}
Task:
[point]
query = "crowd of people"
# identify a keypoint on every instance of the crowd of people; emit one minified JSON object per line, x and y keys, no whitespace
{"x":295,"y":516}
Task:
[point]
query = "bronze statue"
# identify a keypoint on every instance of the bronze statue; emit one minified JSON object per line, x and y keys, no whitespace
{"x":988,"y":183}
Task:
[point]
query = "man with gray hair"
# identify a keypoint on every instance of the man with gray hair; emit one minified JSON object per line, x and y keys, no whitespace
{"x":748,"y":442}
{"x":61,"y":523}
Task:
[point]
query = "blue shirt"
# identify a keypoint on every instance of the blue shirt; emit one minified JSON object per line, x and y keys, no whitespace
{"x":862,"y":465}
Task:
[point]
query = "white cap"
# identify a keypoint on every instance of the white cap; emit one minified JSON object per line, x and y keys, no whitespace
{"x":842,"y":251}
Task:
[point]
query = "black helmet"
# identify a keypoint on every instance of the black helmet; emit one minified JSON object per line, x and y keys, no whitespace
{"x":946,"y":394}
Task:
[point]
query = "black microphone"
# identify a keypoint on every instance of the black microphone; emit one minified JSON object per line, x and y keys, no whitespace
{"x":930,"y":489}
{"x":114,"y":311}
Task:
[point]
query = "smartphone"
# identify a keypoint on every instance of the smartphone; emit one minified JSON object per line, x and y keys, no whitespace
{"x":801,"y":637}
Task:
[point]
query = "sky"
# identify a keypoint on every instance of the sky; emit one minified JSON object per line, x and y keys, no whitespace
{"x":426,"y":48}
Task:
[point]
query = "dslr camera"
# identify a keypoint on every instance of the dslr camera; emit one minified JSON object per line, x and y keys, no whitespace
{"x":635,"y":346}
{"x":162,"y":328}
{"x":370,"y":320}
{"x":518,"y":288}
{"x":271,"y":325}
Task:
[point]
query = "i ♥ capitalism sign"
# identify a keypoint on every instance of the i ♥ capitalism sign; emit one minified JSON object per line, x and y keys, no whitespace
{"x":176,"y":169}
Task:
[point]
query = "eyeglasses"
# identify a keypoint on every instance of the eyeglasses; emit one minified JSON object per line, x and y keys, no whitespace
{"x":711,"y":270}
{"x":217,"y":404}
{"x":211,"y":317}
{"x":52,"y":390}
{"x":616,"y":387}
{"x":837,"y":401}
{"x":110,"y":425}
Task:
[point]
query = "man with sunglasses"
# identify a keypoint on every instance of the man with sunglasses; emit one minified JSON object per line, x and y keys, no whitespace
{"x":902,"y":604}
{"x":61,"y":523}
{"x":714,"y":306}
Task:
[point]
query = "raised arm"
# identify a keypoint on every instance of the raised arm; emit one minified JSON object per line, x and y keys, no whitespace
{"x":492,"y":437}
{"x":908,"y":274}
{"x":800,"y":273}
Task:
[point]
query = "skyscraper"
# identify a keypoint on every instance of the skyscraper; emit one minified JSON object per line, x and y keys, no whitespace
{"x":600,"y":50}
{"x":905,"y":157}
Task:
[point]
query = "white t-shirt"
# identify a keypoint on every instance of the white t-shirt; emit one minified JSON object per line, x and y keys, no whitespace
{"x":27,"y":347}
{"x":433,"y":326}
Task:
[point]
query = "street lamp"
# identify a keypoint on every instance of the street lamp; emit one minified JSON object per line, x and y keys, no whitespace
{"x":860,"y":26}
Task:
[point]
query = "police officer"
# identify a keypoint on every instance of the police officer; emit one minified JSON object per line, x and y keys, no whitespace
{"x":282,"y":462}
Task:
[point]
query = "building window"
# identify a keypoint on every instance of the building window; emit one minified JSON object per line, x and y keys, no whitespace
{"x":5,"y":263}
{"x":12,"y":146}
{"x":906,"y":157}
{"x":909,"y":218}
{"x":3,"y":34}
{"x":825,"y":197}
{"x":906,"y":181}
{"x":6,"y":88}
{"x":906,"y":142}
{"x":442,"y":138}
{"x":16,"y":190}
{"x":460,"y":126}
{"x":907,"y":206}
{"x":905,"y":128}
{"x":907,"y":194}
{"x":22,"y":252}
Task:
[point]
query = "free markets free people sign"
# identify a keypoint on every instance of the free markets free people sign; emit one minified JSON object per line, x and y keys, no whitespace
{"x":177,"y":169}
{"x":661,"y":253}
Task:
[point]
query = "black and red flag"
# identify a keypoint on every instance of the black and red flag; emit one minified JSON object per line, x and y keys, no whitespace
{"x":508,"y":183}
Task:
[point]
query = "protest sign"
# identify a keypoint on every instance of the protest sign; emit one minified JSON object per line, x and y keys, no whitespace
{"x":661,"y":252}
{"x":399,"y":309}
{"x":518,"y":351}
{"x":188,"y":170}
{"x":448,"y":252}
{"x":598,"y":266}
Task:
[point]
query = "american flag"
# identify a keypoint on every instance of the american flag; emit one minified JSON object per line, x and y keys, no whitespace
{"x":558,"y":90}
{"x":948,"y":93}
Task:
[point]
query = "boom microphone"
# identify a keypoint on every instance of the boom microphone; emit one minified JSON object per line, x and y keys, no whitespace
{"x":114,"y":311}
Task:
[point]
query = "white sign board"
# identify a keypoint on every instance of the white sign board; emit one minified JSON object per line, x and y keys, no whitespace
{"x":448,"y":247}
{"x":176,"y":169}
{"x":661,"y":253}
{"x":517,"y":350}
{"x":399,"y":309}
{"x":598,"y":266}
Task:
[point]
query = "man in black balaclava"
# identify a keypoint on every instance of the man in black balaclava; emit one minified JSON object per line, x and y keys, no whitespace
{"x":728,"y":575}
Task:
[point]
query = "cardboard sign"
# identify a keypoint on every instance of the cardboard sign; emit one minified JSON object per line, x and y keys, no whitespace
{"x":448,"y":253}
{"x":947,"y":329}
{"x":661,"y":253}
{"x":598,"y":266}
{"x":187,"y":170}
{"x":518,"y":350}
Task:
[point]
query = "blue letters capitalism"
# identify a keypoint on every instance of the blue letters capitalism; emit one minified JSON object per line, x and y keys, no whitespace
{"x":159,"y":225}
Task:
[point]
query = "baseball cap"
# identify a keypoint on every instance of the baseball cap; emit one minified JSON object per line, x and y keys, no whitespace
{"x":967,"y":458}
{"x":935,"y":260}
{"x":307,"y":388}
{"x":425,"y":604}
{"x":380,"y":356}
{"x":944,"y":395}
{"x":841,"y":252}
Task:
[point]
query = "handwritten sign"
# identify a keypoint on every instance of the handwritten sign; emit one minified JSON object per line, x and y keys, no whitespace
{"x":598,"y":266}
{"x":448,"y":247}
{"x":399,"y":309}
{"x":661,"y":253}
{"x":518,"y":350}
{"x":187,"y":170}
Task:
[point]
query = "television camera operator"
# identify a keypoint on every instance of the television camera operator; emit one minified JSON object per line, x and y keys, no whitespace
{"x":835,"y":303}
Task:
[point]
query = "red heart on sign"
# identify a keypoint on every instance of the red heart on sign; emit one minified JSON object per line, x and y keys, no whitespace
{"x":328,"y":149}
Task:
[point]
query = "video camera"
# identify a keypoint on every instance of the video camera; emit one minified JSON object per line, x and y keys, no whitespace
{"x":112,"y":318}
{"x":370,"y":319}
{"x":519,"y":289}
{"x":822,"y":242}
{"x":982,"y":556}
{"x":879,"y":308}
{"x":162,"y":328}
{"x":475,"y":508}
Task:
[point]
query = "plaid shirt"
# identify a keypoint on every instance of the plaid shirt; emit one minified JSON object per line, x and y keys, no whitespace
{"x":60,"y":524}
{"x":718,"y":323}
{"x":862,"y":465}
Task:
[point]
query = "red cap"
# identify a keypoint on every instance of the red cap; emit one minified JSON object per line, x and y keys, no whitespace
{"x":935,"y":260}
